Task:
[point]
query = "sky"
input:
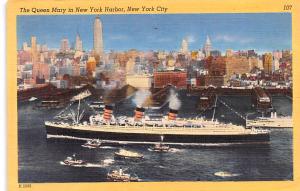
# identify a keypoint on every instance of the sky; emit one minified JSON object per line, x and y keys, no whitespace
{"x":262,"y":31}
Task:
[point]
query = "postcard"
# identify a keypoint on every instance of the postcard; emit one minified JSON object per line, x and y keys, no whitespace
{"x":153,"y":95}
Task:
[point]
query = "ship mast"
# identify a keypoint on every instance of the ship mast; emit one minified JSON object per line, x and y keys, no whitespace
{"x":213,"y":117}
{"x":78,"y":110}
{"x":79,"y":114}
{"x":62,"y":112}
{"x":76,"y":116}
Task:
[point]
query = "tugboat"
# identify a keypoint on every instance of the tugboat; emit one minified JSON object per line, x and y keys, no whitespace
{"x":120,"y":176}
{"x":94,"y":143}
{"x":160,"y":148}
{"x":125,"y":154}
{"x":72,"y":161}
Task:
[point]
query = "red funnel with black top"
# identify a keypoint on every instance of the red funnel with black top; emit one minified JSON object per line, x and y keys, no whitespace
{"x":139,"y":113}
{"x":172,"y":114}
{"x":108,"y":111}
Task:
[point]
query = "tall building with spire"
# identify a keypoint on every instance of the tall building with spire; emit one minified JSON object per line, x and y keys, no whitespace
{"x":98,"y":39}
{"x":78,"y":43}
{"x":207,"y":47}
{"x":184,"y":46}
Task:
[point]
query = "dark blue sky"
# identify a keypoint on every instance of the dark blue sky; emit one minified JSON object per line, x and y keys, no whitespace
{"x":262,"y":31}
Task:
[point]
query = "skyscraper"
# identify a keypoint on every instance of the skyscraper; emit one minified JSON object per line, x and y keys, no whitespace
{"x":91,"y":66}
{"x":275,"y":64}
{"x":267,"y":59}
{"x":184,"y":46}
{"x":98,"y":40}
{"x":207,"y":47}
{"x":64,"y":45}
{"x":78,"y":43}
{"x":33,"y":49}
{"x":25,"y":46}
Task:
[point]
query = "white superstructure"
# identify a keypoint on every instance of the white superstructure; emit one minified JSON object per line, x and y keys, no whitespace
{"x":271,"y":122}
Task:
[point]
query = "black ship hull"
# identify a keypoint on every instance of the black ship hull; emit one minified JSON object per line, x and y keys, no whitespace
{"x":154,"y":138}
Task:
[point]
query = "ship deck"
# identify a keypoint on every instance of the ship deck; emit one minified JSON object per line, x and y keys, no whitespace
{"x":234,"y":130}
{"x":272,"y":123}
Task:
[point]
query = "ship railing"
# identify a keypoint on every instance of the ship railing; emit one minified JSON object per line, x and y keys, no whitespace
{"x":170,"y":127}
{"x":165,"y":125}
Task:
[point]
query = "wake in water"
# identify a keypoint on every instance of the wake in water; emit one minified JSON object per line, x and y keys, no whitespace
{"x":101,"y":147}
{"x":87,"y":165}
{"x":160,"y":166}
{"x":104,"y":163}
{"x":107,"y":162}
{"x":137,"y":142}
{"x":107,"y":147}
{"x":174,"y":150}
{"x":171,"y":150}
{"x":225,"y":174}
{"x":89,"y":147}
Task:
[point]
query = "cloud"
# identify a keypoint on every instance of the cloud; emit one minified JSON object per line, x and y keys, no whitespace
{"x":118,"y":37}
{"x":154,"y":38}
{"x":191,"y":38}
{"x":165,"y":39}
{"x":232,"y":38}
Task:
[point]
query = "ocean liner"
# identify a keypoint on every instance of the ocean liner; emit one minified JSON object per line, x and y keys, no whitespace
{"x":144,"y":129}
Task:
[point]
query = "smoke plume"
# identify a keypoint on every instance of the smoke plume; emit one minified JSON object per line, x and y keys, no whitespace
{"x":140,"y":97}
{"x":174,"y":102}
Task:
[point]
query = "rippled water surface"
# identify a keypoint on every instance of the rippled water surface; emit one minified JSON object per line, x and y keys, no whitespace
{"x":40,"y":158}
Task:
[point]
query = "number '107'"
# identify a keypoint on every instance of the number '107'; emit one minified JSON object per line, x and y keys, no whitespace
{"x":287,"y":7}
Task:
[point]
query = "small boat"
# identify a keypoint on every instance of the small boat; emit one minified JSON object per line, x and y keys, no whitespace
{"x":32,"y":99}
{"x":81,"y":95}
{"x":120,"y":176}
{"x":125,"y":154}
{"x":50,"y":104}
{"x":225,"y":174}
{"x":72,"y":161}
{"x":160,"y":148}
{"x":97,"y":105}
{"x":94,"y":143}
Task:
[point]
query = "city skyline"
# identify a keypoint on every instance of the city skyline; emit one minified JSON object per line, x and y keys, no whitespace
{"x":261,"y":32}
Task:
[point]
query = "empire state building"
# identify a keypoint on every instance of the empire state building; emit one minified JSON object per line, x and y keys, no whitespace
{"x":98,"y":40}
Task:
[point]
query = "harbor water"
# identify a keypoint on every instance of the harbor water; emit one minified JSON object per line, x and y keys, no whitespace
{"x":40,"y":158}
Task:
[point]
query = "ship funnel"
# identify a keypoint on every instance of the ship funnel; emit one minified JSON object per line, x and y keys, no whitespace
{"x":172,"y":114}
{"x":108,"y":110}
{"x":139,"y":113}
